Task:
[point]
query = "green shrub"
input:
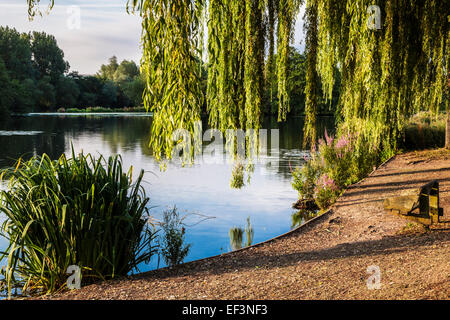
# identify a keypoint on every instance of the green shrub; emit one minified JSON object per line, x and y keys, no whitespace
{"x":304,"y":179}
{"x":78,"y":211}
{"x":326,"y":192}
{"x":173,"y":248}
{"x":335,"y":164}
{"x":336,"y":158}
{"x":365,"y":158}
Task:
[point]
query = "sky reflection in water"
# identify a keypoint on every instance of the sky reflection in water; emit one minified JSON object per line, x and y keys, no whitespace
{"x":203,"y":188}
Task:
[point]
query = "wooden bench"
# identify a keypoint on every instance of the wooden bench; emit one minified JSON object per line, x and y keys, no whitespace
{"x":420,"y":205}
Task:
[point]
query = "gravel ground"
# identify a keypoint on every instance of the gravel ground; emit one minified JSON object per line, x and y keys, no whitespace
{"x":325,"y":259}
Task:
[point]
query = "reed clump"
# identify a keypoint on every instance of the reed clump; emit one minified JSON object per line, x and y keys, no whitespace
{"x":80,"y":211}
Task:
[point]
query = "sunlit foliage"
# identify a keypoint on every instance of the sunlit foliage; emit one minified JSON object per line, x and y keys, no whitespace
{"x":386,"y":74}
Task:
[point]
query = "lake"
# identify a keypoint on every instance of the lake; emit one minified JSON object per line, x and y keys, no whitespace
{"x":202,"y":190}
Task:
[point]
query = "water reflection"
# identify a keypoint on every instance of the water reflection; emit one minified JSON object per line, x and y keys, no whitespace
{"x":237,"y":236}
{"x":237,"y":176}
{"x":202,"y":189}
{"x":249,"y":233}
{"x":30,"y":139}
{"x":302,"y":216}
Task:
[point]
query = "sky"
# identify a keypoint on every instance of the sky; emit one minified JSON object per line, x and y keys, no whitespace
{"x":91,"y":31}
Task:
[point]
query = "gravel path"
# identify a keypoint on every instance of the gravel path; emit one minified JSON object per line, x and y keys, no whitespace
{"x":326,"y":259}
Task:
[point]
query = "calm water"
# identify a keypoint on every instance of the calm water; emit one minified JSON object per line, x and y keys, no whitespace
{"x":202,"y":189}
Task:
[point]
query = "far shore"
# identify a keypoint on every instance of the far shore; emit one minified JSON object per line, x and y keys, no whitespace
{"x":145,"y":114}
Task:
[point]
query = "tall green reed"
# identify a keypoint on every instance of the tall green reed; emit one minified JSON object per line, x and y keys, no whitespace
{"x":79,"y":211}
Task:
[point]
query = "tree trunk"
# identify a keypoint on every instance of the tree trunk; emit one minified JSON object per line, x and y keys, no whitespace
{"x":447,"y":131}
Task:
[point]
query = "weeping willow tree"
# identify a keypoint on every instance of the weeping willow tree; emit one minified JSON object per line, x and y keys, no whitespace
{"x":171,"y":38}
{"x":238,"y":71}
{"x":287,"y":12}
{"x":226,"y":66}
{"x":387,"y":73}
{"x":272,"y":9}
{"x":312,"y":83}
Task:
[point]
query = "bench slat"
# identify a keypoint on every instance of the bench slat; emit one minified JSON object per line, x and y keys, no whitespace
{"x":404,"y":204}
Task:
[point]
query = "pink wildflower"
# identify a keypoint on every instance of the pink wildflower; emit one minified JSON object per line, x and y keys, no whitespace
{"x":321,"y":142}
{"x":329,"y":139}
{"x":327,"y":182}
{"x":342,"y":142}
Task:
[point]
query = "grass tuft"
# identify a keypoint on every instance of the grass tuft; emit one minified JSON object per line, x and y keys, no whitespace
{"x":79,"y":211}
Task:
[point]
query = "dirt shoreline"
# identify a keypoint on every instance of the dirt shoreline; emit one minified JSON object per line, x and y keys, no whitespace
{"x":326,"y":259}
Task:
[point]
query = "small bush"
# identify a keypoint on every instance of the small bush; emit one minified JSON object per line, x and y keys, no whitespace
{"x":335,"y":164}
{"x":326,"y":192}
{"x":173,"y":248}
{"x":78,"y":211}
{"x":304,"y":179}
{"x":336,"y":159}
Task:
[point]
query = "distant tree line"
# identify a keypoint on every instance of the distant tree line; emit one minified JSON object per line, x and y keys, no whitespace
{"x":34,"y":77}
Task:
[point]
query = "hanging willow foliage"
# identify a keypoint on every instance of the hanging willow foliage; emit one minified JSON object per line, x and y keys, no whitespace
{"x":272,"y":9}
{"x":236,"y":45}
{"x":226,"y":68}
{"x":171,"y":37}
{"x":387,"y":74}
{"x":33,"y":7}
{"x":287,"y":12}
{"x":312,"y":82}
{"x":254,"y":62}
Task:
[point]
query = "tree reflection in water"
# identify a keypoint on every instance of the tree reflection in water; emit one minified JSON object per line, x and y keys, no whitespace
{"x":237,"y":236}
{"x":301,"y":216}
